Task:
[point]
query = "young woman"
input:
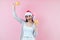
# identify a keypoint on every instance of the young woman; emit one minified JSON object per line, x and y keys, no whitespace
{"x":28,"y":27}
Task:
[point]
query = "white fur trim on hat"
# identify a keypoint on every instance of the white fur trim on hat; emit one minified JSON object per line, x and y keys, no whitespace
{"x":28,"y":13}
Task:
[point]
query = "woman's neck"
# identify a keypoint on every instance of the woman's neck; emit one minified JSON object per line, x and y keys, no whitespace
{"x":29,"y":23}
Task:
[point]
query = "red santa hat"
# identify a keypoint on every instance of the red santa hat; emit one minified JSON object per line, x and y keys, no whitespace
{"x":28,"y":12}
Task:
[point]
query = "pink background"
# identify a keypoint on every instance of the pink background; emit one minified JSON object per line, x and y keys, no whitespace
{"x":46,"y":11}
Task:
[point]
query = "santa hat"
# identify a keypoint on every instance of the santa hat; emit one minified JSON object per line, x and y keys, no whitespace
{"x":28,"y":12}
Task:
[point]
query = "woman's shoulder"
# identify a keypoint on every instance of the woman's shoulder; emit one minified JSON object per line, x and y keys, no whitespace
{"x":34,"y":24}
{"x":24,"y":23}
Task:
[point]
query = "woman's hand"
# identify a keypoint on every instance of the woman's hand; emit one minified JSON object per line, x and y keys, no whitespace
{"x":13,"y":6}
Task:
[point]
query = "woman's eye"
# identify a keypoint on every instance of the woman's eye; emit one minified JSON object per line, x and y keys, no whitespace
{"x":26,"y":16}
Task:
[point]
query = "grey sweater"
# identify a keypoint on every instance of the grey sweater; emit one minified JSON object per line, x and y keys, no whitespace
{"x":21,"y":21}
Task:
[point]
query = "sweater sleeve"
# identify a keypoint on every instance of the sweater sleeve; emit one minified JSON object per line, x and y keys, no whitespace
{"x":15,"y":15}
{"x":35,"y":32}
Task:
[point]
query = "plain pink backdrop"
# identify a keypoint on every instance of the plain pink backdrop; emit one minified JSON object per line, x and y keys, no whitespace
{"x":46,"y":11}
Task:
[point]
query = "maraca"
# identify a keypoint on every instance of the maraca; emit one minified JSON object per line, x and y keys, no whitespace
{"x":36,"y":22}
{"x":17,"y":3}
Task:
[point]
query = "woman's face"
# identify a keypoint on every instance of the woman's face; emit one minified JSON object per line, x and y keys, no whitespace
{"x":28,"y":17}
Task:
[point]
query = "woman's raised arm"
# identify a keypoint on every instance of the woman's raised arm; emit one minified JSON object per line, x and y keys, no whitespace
{"x":15,"y":15}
